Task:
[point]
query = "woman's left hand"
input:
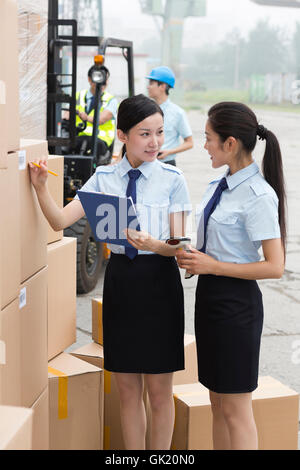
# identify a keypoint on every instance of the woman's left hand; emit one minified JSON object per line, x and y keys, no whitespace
{"x":141,"y":240}
{"x":196,"y":262}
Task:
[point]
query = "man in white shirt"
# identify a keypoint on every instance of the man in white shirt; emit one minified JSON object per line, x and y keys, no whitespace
{"x":176,"y":125}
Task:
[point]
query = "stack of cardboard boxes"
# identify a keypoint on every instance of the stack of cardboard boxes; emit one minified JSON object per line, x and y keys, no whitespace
{"x":23,"y":263}
{"x":41,"y":402}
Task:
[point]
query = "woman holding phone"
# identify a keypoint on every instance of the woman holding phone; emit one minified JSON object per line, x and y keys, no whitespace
{"x":241,"y":212}
{"x":143,"y":310}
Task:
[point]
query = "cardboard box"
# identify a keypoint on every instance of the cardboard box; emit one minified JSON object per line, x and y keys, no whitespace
{"x":9,"y":80}
{"x":10,"y":355}
{"x":56,"y":189}
{"x":275,"y":407}
{"x":75,"y":404}
{"x":33,"y":314}
{"x":112,"y":438}
{"x":61,"y":295}
{"x":10,"y":233}
{"x":97,"y":328}
{"x":34,"y":226}
{"x":15,"y":428}
{"x":93,"y":353}
{"x":40,"y":425}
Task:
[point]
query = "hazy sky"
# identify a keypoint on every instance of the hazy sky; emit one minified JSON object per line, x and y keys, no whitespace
{"x":222,"y":16}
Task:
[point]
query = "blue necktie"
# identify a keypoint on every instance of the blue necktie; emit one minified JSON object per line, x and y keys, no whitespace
{"x":209,"y":209}
{"x":131,"y":252}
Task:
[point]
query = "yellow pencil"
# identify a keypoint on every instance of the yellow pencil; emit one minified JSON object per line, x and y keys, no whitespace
{"x":49,"y":171}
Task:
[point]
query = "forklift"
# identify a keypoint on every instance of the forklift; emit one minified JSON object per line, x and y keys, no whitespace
{"x":61,"y":135}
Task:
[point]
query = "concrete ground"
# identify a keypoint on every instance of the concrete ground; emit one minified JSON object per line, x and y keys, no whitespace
{"x":280,"y":347}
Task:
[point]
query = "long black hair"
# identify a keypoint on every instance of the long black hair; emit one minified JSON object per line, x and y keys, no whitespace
{"x":231,"y":119}
{"x":134,"y":110}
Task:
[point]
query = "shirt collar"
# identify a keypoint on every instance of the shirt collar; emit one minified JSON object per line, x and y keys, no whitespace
{"x":165,"y":104}
{"x":145,"y":168}
{"x":240,"y":176}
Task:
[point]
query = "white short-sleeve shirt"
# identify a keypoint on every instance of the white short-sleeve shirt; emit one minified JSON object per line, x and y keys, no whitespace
{"x":246,"y":214}
{"x":161,"y":190}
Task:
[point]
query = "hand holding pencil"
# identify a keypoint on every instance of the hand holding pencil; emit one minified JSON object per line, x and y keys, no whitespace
{"x":39,"y":173}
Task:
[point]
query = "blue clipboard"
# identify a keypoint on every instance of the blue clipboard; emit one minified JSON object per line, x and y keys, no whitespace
{"x":109,"y":215}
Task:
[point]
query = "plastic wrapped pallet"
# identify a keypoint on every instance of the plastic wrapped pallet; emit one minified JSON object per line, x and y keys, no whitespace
{"x":33,"y":49}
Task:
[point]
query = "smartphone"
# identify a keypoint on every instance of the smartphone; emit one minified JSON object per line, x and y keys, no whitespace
{"x":181,"y":242}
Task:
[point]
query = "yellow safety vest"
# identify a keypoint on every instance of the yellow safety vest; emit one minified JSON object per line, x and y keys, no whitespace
{"x":106,"y":130}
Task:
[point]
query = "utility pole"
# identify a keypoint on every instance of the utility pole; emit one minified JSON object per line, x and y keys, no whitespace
{"x":173,"y":14}
{"x":88,"y":13}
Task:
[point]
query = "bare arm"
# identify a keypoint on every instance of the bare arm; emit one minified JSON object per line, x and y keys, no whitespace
{"x":57,"y":218}
{"x":187,"y":144}
{"x":272,"y":267}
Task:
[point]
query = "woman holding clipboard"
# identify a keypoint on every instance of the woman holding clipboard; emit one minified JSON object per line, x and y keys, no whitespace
{"x":143,"y":310}
{"x":241,"y":211}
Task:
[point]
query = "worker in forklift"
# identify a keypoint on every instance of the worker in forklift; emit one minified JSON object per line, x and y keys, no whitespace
{"x":85,"y":106}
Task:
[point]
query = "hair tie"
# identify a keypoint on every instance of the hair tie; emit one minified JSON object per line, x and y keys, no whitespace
{"x":262,"y":132}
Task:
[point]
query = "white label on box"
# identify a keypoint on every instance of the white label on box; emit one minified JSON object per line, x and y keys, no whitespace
{"x":22,"y":159}
{"x":22,"y":298}
{"x":2,"y":352}
{"x":2,"y":92}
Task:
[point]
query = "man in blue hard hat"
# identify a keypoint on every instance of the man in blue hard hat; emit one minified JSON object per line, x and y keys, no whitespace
{"x":176,"y":125}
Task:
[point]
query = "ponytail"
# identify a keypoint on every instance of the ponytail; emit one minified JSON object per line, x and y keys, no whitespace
{"x":273,"y":172}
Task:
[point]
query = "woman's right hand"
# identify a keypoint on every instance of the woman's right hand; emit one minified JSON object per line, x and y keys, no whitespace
{"x":38,"y":176}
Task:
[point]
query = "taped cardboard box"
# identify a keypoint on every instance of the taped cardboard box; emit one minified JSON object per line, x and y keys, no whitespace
{"x":75,"y":404}
{"x":9,"y":80}
{"x":10,"y":234}
{"x":15,"y":428}
{"x":34,"y":226}
{"x":61,"y":295}
{"x":112,"y":438}
{"x":33,"y":315}
{"x":56,"y":189}
{"x":10,"y":355}
{"x":275,"y":407}
{"x":40,"y":425}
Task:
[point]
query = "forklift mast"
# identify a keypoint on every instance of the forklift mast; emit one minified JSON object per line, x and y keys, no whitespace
{"x":57,"y":95}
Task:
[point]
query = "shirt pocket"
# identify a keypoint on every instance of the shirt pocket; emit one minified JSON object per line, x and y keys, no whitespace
{"x":225,"y":219}
{"x":155,"y":216}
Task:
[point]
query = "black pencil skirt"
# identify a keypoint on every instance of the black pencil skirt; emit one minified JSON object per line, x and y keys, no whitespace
{"x":143,"y":315}
{"x":228,"y":327}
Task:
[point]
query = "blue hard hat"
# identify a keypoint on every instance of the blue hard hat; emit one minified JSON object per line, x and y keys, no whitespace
{"x":162,"y":74}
